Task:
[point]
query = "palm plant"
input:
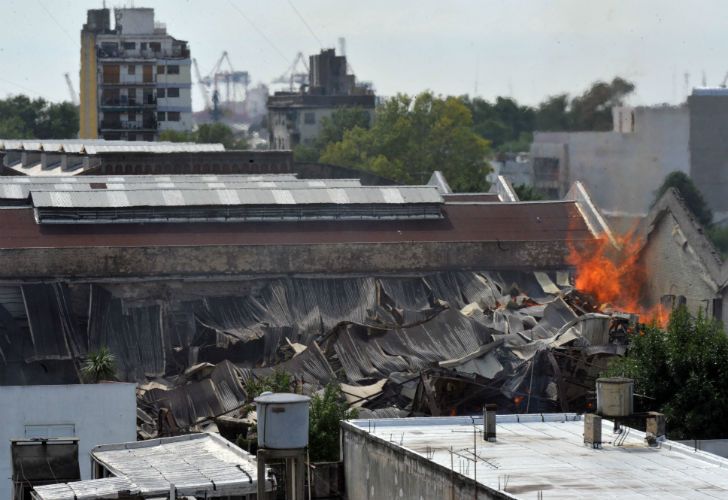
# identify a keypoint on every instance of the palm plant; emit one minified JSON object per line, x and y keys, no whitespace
{"x":99,"y":365}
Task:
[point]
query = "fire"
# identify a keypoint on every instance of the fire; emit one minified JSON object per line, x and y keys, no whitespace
{"x":615,"y":277}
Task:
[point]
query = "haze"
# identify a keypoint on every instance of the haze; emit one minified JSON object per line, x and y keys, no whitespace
{"x":524,"y":49}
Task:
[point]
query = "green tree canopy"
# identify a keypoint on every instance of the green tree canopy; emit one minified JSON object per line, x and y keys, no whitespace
{"x":333,"y":129}
{"x":25,"y":118}
{"x":99,"y":366}
{"x":593,"y":109}
{"x":690,"y":193}
{"x":504,"y":123}
{"x":326,"y":412}
{"x":207,"y":133}
{"x":413,"y":136}
{"x":684,"y":371}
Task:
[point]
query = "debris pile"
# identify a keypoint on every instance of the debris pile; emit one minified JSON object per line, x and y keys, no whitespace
{"x":436,"y":344}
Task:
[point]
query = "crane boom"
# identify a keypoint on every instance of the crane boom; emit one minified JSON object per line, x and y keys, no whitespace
{"x":72,"y":93}
{"x":201,"y":85}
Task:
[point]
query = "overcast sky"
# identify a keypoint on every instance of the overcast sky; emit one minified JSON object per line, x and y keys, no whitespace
{"x":524,"y":49}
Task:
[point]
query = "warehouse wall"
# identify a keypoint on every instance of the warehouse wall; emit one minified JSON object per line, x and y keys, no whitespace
{"x":230,"y":260}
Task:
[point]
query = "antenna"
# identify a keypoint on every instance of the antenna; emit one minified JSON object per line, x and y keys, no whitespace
{"x":477,"y":74}
{"x":342,"y":46}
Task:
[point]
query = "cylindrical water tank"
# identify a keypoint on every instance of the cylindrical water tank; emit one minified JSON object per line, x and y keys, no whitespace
{"x":282,"y":420}
{"x":615,"y":396}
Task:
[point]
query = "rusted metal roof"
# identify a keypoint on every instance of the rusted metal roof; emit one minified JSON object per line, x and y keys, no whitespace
{"x":496,"y":222}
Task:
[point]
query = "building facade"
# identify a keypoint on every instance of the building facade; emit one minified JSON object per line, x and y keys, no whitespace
{"x":623,"y":167}
{"x":709,"y":148}
{"x":92,"y":413}
{"x":295,"y":117}
{"x":135,"y":78}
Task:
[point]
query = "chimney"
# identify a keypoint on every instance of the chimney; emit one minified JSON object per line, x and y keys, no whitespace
{"x":489,"y":422}
{"x":593,"y":430}
{"x":655,"y":428}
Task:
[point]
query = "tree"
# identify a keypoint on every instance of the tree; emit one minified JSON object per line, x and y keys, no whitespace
{"x":326,"y":412}
{"x":690,"y":193}
{"x":207,"y":133}
{"x":100,"y":365}
{"x":25,"y":118}
{"x":684,"y":371}
{"x":527,"y":193}
{"x":332,"y":130}
{"x":413,"y":136}
{"x":506,"y":124}
{"x":593,"y":109}
{"x":553,"y":114}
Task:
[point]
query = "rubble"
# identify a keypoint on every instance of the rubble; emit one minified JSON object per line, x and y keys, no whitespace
{"x":436,"y":344}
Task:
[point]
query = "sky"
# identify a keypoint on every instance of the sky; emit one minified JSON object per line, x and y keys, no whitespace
{"x":525,"y":49}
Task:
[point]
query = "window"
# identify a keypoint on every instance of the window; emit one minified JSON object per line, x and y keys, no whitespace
{"x":155,"y":46}
{"x":309,"y":118}
{"x":129,"y":45}
{"x":161,"y":93}
{"x":161,"y":116}
{"x":143,"y":45}
{"x":131,"y":69}
{"x":132,"y":116}
{"x":173,"y":116}
{"x":50,"y":431}
{"x":173,"y":69}
{"x":160,"y":70}
{"x":173,"y":92}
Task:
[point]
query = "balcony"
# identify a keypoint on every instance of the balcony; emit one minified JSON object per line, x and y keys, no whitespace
{"x":143,"y":54}
{"x":125,"y":103}
{"x":119,"y":125}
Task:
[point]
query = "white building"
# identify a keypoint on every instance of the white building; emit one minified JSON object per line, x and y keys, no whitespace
{"x":622,"y":168}
{"x":94,"y":413}
{"x":135,"y":78}
{"x":533,"y":456}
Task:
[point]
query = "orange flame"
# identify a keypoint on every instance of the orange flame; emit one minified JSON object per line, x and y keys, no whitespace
{"x":615,"y":277}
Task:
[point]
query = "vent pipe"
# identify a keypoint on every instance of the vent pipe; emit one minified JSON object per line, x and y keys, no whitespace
{"x":489,"y":411}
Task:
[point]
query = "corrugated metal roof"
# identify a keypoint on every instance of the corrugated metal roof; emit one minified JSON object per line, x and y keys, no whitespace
{"x":91,"y":146}
{"x":239,"y":196}
{"x":19,"y":191}
{"x":196,"y":464}
{"x":137,"y":179}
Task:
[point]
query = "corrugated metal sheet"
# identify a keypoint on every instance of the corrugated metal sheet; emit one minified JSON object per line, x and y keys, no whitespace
{"x":21,"y":190}
{"x":246,"y":196}
{"x":196,"y":464}
{"x":92,"y":147}
{"x":141,"y":179}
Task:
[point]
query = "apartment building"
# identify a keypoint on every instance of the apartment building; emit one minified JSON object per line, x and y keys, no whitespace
{"x":135,"y":78}
{"x":296,"y":117}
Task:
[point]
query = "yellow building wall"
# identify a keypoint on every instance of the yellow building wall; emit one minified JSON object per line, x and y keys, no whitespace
{"x":88,"y":112}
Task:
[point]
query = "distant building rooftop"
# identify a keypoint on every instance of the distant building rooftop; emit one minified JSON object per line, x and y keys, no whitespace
{"x":199,"y":465}
{"x":546,"y":453}
{"x":98,"y":146}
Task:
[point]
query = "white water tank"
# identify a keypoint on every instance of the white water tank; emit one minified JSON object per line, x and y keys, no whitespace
{"x":282,"y":420}
{"x":615,"y":396}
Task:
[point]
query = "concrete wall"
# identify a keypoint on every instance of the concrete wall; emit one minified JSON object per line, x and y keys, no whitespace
{"x":622,"y":170}
{"x":673,"y":268}
{"x":98,"y":413}
{"x":255,"y":260}
{"x":709,"y":150}
{"x":377,"y":469}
